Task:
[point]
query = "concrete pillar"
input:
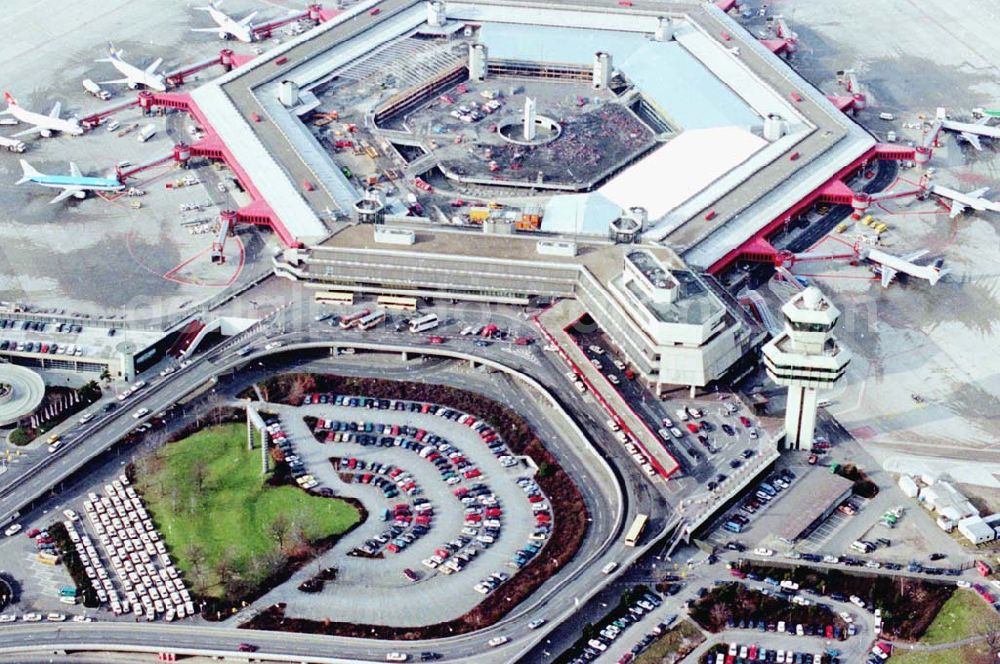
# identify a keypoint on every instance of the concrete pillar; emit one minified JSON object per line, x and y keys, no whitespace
{"x":472,"y":364}
{"x":249,"y":430}
{"x":602,"y":70}
{"x":478,"y":62}
{"x":288,"y":93}
{"x":800,"y":418}
{"x":435,"y":14}
{"x":664,"y":30}
{"x":694,"y":390}
{"x":404,"y":356}
{"x":529,"y":119}
{"x":264,"y":456}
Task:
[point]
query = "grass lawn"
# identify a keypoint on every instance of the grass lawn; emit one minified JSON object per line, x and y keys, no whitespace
{"x":965,"y":614}
{"x":977,"y":652}
{"x":677,"y":642}
{"x":206,"y":492}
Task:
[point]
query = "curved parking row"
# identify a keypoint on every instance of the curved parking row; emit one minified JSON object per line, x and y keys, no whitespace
{"x":482,"y":513}
{"x":280,"y":439}
{"x":409,"y":521}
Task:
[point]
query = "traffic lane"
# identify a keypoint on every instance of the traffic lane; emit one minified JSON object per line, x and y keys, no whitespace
{"x":202,"y":375}
{"x":60,"y":465}
{"x":579,"y":588}
{"x":593,"y":345}
{"x":579,"y":584}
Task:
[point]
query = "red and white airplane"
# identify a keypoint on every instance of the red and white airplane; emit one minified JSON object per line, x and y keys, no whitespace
{"x":44,"y":125}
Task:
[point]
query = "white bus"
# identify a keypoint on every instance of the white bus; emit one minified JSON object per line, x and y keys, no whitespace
{"x":371,"y":320}
{"x":351,"y":319}
{"x":424,"y":323}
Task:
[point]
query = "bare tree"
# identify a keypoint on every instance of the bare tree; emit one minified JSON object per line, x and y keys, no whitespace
{"x":278,"y":529}
{"x":195,"y":554}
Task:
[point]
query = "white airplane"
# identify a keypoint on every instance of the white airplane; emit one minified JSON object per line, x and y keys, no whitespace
{"x":134,"y":77}
{"x":76,"y":184}
{"x":227,"y":26}
{"x":960,"y":201}
{"x":888,"y":266}
{"x":969,"y":131}
{"x":43,"y":124}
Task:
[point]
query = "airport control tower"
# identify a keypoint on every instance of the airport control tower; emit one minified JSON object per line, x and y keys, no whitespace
{"x":806,"y":358}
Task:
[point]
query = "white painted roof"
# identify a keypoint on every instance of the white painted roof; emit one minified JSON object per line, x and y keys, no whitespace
{"x":681,"y":168}
{"x":267,"y":176}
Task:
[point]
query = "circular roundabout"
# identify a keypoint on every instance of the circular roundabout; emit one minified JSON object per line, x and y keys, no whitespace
{"x":21,"y":392}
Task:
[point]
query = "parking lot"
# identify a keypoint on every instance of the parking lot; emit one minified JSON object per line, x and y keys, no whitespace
{"x":710,"y":446}
{"x":374,"y":587}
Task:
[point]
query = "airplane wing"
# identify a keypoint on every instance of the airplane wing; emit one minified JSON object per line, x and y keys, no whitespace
{"x":888,"y":274}
{"x":973,"y":139}
{"x":74,"y":170}
{"x":27,"y":132}
{"x":978,"y":193}
{"x":956,"y":209}
{"x":246,"y":19}
{"x":56,"y":110}
{"x":153,"y":67}
{"x":64,"y":194}
{"x":914,"y":256}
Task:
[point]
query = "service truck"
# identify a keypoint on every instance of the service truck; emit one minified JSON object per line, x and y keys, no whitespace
{"x":11,"y":144}
{"x":96,"y":90}
{"x":147,"y":133}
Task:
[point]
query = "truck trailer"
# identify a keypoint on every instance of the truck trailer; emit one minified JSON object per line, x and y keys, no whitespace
{"x":147,"y":133}
{"x":11,"y":144}
{"x":96,"y":90}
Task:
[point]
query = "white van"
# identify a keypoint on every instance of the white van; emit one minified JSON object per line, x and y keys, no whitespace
{"x":609,"y":568}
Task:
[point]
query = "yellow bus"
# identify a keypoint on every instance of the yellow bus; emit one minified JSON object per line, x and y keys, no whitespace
{"x":636,"y":529}
{"x":334,"y":297}
{"x":397,"y":302}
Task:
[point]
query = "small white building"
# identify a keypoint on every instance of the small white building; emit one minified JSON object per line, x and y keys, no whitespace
{"x":976,"y":530}
{"x":909,"y":486}
{"x":947,"y":501}
{"x":944,"y":524}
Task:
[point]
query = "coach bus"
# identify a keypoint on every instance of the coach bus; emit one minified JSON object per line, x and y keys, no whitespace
{"x":636,"y":529}
{"x":397,"y":302}
{"x":371,"y":320}
{"x":350,"y":319}
{"x":424,"y":323}
{"x":334,"y":297}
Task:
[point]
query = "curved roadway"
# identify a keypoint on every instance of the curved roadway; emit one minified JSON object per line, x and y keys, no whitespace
{"x":557,"y":599}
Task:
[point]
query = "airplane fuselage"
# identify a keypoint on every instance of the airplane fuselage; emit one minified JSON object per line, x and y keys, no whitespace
{"x":977,"y":203}
{"x":46,"y":122}
{"x":228,"y":26}
{"x":929,"y":272}
{"x":988,"y":131}
{"x":83,"y":182}
{"x":138,"y":76}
